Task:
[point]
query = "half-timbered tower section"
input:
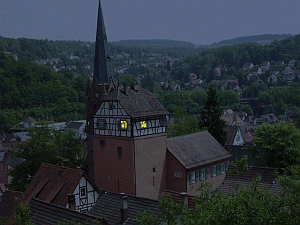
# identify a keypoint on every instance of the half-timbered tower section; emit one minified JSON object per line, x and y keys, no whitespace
{"x":127,"y":141}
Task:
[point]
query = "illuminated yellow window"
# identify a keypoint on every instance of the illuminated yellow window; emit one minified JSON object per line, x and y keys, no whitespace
{"x":143,"y":124}
{"x":124,"y":125}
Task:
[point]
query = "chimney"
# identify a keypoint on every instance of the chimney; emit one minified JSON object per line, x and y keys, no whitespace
{"x":71,"y":201}
{"x":124,"y":207}
{"x":185,"y":199}
{"x":134,"y":86}
{"x":125,"y":89}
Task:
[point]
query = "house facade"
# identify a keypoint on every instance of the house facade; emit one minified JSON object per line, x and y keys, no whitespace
{"x":194,"y":158}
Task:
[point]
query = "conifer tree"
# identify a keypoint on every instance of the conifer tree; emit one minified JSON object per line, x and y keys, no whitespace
{"x":211,"y":116}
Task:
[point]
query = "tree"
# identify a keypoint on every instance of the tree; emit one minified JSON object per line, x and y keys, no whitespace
{"x":277,"y":145}
{"x":21,"y":214}
{"x":211,"y":116}
{"x":184,"y":123}
{"x":48,"y":146}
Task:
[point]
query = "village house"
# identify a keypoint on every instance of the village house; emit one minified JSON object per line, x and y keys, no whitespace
{"x":265,"y":65}
{"x":272,"y":79}
{"x":248,"y":66}
{"x":62,"y":186}
{"x":193,"y":158}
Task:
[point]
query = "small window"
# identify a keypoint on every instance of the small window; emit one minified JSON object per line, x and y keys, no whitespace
{"x":223,"y":168}
{"x":192,"y":178}
{"x":153,"y":169}
{"x":213,"y":171}
{"x":177,"y":174}
{"x":111,"y":106}
{"x":124,"y":125}
{"x":82,"y":192}
{"x":102,"y":124}
{"x":120,"y":152}
{"x":202,"y":175}
{"x":143,"y":124}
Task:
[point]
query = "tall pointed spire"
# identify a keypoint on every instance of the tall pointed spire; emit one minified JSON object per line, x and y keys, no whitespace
{"x":101,"y":63}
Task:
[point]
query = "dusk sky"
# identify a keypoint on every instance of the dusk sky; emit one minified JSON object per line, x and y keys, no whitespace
{"x":196,"y":21}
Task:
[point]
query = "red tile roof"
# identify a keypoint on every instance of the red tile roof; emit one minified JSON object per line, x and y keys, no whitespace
{"x":52,"y":184}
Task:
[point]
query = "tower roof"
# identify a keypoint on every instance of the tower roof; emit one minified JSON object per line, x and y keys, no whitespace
{"x":101,"y":63}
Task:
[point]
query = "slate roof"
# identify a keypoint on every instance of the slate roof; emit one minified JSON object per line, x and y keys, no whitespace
{"x":44,"y":213}
{"x":74,"y":125}
{"x":53,"y":184}
{"x":108,"y":207}
{"x":137,"y":102}
{"x":197,"y":149}
{"x":8,"y":202}
{"x":233,"y":181}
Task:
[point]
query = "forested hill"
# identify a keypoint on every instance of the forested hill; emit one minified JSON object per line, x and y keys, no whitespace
{"x":29,"y":89}
{"x":262,"y":39}
{"x":155,"y":43}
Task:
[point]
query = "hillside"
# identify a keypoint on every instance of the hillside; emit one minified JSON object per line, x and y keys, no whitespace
{"x":262,"y":39}
{"x":155,"y":43}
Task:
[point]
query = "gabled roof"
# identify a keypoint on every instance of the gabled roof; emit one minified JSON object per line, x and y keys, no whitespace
{"x":8,"y":202}
{"x":197,"y":149}
{"x":231,"y":132}
{"x":232,"y":181}
{"x":44,"y":213}
{"x":53,"y":184}
{"x":108,"y":207}
{"x":136,"y":101}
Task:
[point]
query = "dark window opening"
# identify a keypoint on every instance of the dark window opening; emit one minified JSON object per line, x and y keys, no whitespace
{"x":120,"y":152}
{"x":102,"y":143}
{"x":153,"y":169}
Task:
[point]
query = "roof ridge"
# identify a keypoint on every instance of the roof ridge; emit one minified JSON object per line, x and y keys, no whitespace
{"x":62,"y":167}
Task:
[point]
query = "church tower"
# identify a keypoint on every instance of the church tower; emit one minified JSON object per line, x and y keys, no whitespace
{"x":126,"y":133}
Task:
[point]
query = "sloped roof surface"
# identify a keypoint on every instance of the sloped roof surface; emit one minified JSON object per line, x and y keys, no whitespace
{"x":177,"y":198}
{"x":43,"y":213}
{"x":138,"y":102}
{"x":74,"y":125}
{"x":232,"y":181}
{"x":8,"y":202}
{"x":108,"y":207}
{"x":197,"y":149}
{"x":52,"y":184}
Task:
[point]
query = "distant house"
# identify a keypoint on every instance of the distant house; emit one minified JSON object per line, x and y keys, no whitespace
{"x":268,"y":118}
{"x":62,"y":186}
{"x":248,"y":66}
{"x":292,"y":63}
{"x":78,"y":127}
{"x":265,"y":65}
{"x":288,"y":70}
{"x":279,"y":63}
{"x":232,"y":118}
{"x":193,"y":158}
{"x":20,"y":130}
{"x":272,"y":79}
{"x":257,"y":70}
{"x":234,"y":136}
